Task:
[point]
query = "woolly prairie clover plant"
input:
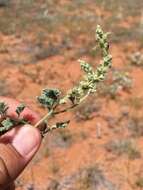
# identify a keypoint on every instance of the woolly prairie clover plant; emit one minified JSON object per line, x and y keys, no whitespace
{"x":52,"y":99}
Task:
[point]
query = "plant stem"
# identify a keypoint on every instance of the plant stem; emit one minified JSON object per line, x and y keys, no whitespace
{"x":73,"y":106}
{"x":48,"y":115}
{"x":79,"y":94}
{"x":65,"y":110}
{"x":44,"y":118}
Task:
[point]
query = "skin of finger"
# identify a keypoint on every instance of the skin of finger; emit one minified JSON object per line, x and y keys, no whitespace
{"x":9,"y":165}
{"x":10,"y":187}
{"x":12,"y":163}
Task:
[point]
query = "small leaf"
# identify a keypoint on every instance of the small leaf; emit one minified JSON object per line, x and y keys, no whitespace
{"x":49,"y":97}
{"x":22,"y":122}
{"x":56,"y":126}
{"x":3,"y":108}
{"x":62,"y":124}
{"x":20,"y":109}
{"x":52,"y":93}
{"x":7,"y":124}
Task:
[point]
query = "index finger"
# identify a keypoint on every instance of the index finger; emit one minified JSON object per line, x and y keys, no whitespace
{"x":27,"y":113}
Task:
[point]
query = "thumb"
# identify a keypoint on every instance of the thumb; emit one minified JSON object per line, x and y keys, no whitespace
{"x":17,"y":148}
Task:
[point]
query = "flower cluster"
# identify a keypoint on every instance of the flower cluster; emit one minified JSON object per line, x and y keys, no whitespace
{"x":51,"y":98}
{"x":92,"y":77}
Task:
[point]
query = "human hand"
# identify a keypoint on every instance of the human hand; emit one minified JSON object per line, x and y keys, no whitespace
{"x":18,"y":146}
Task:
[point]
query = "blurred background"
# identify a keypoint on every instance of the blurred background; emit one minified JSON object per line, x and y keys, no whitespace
{"x":40,"y":42}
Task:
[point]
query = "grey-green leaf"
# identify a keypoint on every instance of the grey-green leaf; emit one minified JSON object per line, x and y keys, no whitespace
{"x":49,"y":97}
{"x":62,"y":124}
{"x":20,"y":109}
{"x":3,"y":108}
{"x":7,"y":124}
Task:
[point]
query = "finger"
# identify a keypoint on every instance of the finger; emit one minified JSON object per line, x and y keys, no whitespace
{"x":17,"y":146}
{"x":14,"y":156}
{"x":10,"y":187}
{"x":28,"y":114}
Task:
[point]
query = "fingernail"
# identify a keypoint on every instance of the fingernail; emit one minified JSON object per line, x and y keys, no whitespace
{"x":26,"y":140}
